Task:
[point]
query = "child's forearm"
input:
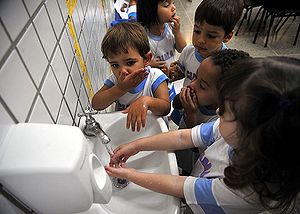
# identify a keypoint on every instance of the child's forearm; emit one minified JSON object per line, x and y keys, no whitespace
{"x":179,"y":41}
{"x":166,"y":184}
{"x":104,"y":98}
{"x":167,"y":141}
{"x":159,"y":107}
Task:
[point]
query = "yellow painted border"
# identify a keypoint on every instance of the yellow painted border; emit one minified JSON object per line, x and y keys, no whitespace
{"x":71,"y":4}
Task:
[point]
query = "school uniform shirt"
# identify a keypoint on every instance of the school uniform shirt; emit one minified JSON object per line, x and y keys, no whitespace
{"x":189,"y":61}
{"x":206,"y":191}
{"x":163,"y":46}
{"x":146,"y":88}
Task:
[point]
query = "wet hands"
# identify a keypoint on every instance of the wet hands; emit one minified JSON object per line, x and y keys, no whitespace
{"x":137,"y":114}
{"x":117,"y":166}
{"x":128,"y":81}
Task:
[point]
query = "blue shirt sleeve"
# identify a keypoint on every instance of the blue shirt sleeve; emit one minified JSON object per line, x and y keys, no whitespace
{"x":205,"y":197}
{"x":207,"y":133}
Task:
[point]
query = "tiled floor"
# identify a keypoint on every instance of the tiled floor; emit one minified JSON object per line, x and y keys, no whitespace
{"x":280,"y":44}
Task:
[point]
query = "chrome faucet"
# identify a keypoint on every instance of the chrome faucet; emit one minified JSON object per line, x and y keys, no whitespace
{"x":93,"y":129}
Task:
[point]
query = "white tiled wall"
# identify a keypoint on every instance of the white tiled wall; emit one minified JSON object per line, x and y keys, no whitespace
{"x":40,"y":76}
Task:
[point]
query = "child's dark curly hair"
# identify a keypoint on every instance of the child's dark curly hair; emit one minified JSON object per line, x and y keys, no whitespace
{"x":226,"y":58}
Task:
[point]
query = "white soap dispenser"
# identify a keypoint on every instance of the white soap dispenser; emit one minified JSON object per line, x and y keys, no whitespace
{"x":48,"y":168}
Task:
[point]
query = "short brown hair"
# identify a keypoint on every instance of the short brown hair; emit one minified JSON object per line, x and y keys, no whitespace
{"x":125,"y":35}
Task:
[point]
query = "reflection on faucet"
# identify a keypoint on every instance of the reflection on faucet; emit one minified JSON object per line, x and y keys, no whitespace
{"x":93,"y":129}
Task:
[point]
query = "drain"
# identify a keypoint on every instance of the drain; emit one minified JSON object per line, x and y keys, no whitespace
{"x":119,"y":183}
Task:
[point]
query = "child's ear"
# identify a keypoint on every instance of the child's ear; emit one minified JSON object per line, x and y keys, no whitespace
{"x":228,"y":37}
{"x":148,"y":58}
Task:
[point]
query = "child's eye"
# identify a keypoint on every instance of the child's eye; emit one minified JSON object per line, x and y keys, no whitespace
{"x":211,"y":36}
{"x":131,"y":63}
{"x":202,"y":86}
{"x":165,"y":3}
{"x":197,"y":31}
{"x":114,"y":65}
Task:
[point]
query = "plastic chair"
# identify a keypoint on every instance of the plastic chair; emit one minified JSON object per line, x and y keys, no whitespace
{"x":248,"y":6}
{"x":275,"y":9}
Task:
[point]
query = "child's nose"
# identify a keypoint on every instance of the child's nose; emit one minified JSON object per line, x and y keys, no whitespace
{"x":173,"y":8}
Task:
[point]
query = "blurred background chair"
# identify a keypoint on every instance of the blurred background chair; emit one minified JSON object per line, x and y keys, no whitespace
{"x":278,"y":9}
{"x":248,"y":6}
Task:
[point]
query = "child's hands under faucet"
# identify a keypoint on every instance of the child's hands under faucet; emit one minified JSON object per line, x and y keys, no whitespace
{"x":122,"y":153}
{"x":120,"y":172}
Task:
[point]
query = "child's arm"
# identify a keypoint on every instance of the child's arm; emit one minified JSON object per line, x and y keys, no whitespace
{"x":158,"y":105}
{"x":107,"y":95}
{"x":172,"y":140}
{"x":180,"y":42}
{"x":166,"y":184}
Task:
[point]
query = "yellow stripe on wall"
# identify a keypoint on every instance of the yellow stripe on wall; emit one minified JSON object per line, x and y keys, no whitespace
{"x":71,"y":4}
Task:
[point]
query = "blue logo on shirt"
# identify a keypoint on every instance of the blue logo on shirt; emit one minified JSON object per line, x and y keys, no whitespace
{"x":166,"y":56}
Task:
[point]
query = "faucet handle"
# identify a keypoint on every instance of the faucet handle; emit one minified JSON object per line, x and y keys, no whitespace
{"x":87,"y":113}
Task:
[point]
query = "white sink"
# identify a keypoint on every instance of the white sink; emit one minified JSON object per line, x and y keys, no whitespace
{"x":133,"y":198}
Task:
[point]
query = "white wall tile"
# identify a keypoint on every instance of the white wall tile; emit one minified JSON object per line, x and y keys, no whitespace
{"x":45,"y":32}
{"x":16,"y":20}
{"x":55,"y":16}
{"x":32,"y":5}
{"x":76,"y":76}
{"x":64,"y":116}
{"x":67,"y":50}
{"x":70,"y":96}
{"x":36,"y":60}
{"x":4,"y":117}
{"x":16,"y":88}
{"x":36,"y":46}
{"x":40,"y":113}
{"x":5,"y":43}
{"x":63,"y":8}
{"x":51,"y":94}
{"x":60,"y":69}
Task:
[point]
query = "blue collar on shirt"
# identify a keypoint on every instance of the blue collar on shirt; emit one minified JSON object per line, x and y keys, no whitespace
{"x":200,"y":58}
{"x":158,"y":38}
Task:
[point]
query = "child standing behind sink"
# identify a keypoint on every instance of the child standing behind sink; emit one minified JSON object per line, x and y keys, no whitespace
{"x":248,"y":165}
{"x":134,"y":86}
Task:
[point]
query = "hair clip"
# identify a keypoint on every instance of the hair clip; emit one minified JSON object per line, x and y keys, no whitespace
{"x":113,"y":23}
{"x":285,"y":104}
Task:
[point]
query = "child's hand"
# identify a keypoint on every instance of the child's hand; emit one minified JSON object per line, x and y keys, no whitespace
{"x":120,"y":171}
{"x":176,"y":26}
{"x":156,"y":63}
{"x":122,"y":153}
{"x":174,"y":72}
{"x":137,"y":113}
{"x":128,"y":81}
{"x":188,"y":99}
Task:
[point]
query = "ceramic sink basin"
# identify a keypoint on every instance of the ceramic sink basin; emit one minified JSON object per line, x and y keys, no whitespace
{"x":133,"y":198}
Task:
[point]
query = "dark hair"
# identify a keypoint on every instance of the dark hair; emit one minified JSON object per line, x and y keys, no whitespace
{"x":224,"y":13}
{"x":264,"y":96}
{"x":147,"y":12}
{"x":125,"y":35}
{"x":227,"y":57}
